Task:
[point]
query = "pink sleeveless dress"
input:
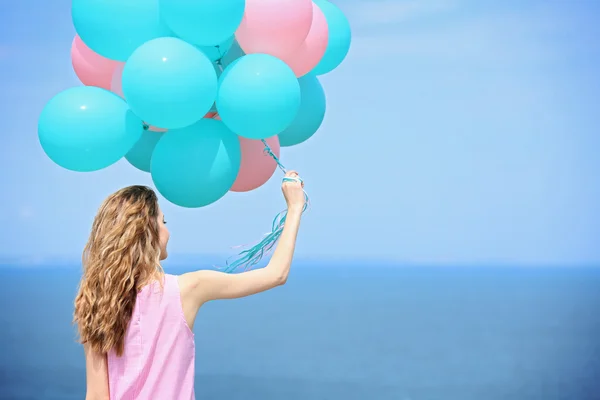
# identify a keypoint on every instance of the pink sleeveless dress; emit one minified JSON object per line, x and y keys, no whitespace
{"x":158,"y":361}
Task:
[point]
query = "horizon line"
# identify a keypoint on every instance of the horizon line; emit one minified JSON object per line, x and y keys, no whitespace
{"x":189,"y":259}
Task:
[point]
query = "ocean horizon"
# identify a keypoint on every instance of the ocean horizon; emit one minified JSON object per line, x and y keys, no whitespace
{"x":358,"y":332}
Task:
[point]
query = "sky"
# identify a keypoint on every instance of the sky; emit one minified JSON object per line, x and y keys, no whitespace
{"x":457,"y":132}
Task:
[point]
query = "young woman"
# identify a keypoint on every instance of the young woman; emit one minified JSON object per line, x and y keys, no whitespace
{"x":134,"y":320}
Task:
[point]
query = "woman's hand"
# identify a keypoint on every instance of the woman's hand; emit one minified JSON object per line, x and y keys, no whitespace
{"x":293,"y":192}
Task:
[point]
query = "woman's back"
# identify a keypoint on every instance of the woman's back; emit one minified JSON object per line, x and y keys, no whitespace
{"x":158,"y":358}
{"x":136,"y":335}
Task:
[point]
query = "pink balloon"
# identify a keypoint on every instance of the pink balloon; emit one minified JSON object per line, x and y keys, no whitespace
{"x":91,"y":68}
{"x":257,"y":167}
{"x":156,"y":129}
{"x":275,"y":27}
{"x":308,"y":55}
{"x":116,"y":83}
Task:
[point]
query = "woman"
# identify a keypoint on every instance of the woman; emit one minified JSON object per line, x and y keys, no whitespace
{"x":134,"y":320}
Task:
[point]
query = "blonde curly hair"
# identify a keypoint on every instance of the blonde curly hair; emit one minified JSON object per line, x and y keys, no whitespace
{"x":121,"y":256}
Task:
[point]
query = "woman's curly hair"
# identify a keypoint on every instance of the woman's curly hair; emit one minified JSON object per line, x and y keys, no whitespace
{"x":120,"y":257}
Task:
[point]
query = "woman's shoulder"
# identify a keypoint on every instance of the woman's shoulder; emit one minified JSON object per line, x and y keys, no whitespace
{"x":173,"y":282}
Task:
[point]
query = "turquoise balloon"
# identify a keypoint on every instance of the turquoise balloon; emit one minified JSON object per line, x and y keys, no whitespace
{"x":258,"y":97}
{"x":87,"y":128}
{"x":196,"y":166}
{"x":217,"y":52}
{"x":141,"y":153}
{"x":169,"y":83}
{"x":339,"y":39}
{"x":234,"y":52}
{"x":203,"y":22}
{"x":310,"y":115}
{"x":219,"y":71}
{"x":115,"y":28}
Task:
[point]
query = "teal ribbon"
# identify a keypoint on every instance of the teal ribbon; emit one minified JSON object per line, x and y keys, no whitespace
{"x":252,"y":256}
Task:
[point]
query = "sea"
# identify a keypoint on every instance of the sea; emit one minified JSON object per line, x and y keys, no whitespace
{"x":364,"y":332}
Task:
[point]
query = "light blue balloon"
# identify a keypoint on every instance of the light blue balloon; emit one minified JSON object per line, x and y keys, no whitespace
{"x":258,"y":97}
{"x":196,"y":166}
{"x":339,"y":39}
{"x":234,"y":52}
{"x":217,"y":52}
{"x":203,"y":22}
{"x":87,"y":128}
{"x":115,"y":28}
{"x":169,"y":83}
{"x":310,"y":115}
{"x":141,"y":153}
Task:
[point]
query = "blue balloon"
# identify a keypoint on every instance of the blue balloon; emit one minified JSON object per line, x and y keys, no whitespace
{"x":169,"y":83}
{"x":196,"y":166}
{"x":339,"y":39}
{"x":234,"y":52}
{"x":217,"y":52}
{"x":258,"y":97}
{"x":203,"y":22}
{"x":115,"y":28}
{"x":141,"y":153}
{"x":87,"y":128}
{"x":310,"y":115}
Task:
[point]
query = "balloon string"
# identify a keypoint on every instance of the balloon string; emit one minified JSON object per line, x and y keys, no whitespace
{"x":218,"y":60}
{"x":249,"y":258}
{"x":252,"y":256}
{"x":270,"y":152}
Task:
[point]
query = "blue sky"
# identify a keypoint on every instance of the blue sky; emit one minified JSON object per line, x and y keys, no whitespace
{"x":457,"y":132}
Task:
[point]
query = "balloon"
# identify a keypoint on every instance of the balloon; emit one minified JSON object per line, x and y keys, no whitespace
{"x":116,"y":82}
{"x":219,"y":72}
{"x":92,"y":69}
{"x":258,"y":97}
{"x":169,"y":83}
{"x":256,"y":167}
{"x":87,"y":128}
{"x":276,"y":27}
{"x":310,"y":115}
{"x":156,"y":129}
{"x":235,"y":52}
{"x":141,"y":153}
{"x":115,"y":28}
{"x":340,"y":37}
{"x":203,"y":22}
{"x":217,"y":52}
{"x":117,"y":88}
{"x":196,"y":166}
{"x":308,"y":55}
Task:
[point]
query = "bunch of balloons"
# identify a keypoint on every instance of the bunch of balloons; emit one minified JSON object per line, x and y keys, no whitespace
{"x":188,"y":90}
